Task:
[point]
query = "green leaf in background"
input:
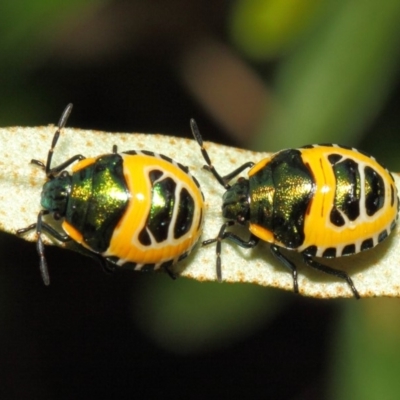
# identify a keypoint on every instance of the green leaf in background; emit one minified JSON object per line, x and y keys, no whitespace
{"x":337,"y":81}
{"x":24,"y":22}
{"x":266,"y":29}
{"x":366,"y":353}
{"x":188,"y":317}
{"x":29,"y":31}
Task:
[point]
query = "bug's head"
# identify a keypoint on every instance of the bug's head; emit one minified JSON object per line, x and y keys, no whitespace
{"x":235,"y":202}
{"x":55,"y":194}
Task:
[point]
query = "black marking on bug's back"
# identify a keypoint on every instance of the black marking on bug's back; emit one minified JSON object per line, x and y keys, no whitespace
{"x":200,"y":219}
{"x":130,"y":264}
{"x":342,"y":146}
{"x":144,"y":237}
{"x":280,"y":195}
{"x":369,"y":156}
{"x":155,"y":175}
{"x":144,"y":267}
{"x":186,"y":203}
{"x":329,"y":252}
{"x":131,"y":152}
{"x":186,"y":209}
{"x":349,"y":250}
{"x":161,"y":210}
{"x":147,"y":153}
{"x":183,"y":168}
{"x":334,"y":158}
{"x":367,"y":244}
{"x":336,"y":218}
{"x":347,"y":192}
{"x":98,"y":199}
{"x":382,"y":236}
{"x":202,"y":195}
{"x":332,"y":252}
{"x":373,"y":159}
{"x":374,"y":191}
{"x":310,"y":250}
{"x":162,"y":157}
{"x":147,"y":267}
{"x":391,"y":195}
{"x":313,"y":146}
{"x":150,"y":267}
{"x":197,"y":183}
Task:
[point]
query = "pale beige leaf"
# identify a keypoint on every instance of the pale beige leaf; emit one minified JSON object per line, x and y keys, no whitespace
{"x":375,"y":272}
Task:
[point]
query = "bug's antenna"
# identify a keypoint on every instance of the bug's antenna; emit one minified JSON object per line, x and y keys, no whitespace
{"x":199,"y":139}
{"x":61,"y":123}
{"x":64,"y":116}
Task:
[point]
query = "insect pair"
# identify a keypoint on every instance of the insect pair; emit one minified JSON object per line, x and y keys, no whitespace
{"x":320,"y":201}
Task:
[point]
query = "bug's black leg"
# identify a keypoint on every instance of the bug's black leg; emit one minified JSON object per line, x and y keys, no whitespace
{"x":331,"y":271}
{"x":107,"y":266}
{"x":222,"y":235}
{"x":115,"y":149}
{"x":40,"y":226}
{"x":39,"y":163}
{"x":49,"y":229}
{"x":54,"y":171}
{"x":44,"y":272}
{"x":167,"y":268}
{"x":237,"y":171}
{"x":219,"y":239}
{"x":170,"y":273}
{"x":288,"y":264}
{"x":227,"y":178}
{"x":247,"y":244}
{"x":62,"y":237}
{"x":27,"y":229}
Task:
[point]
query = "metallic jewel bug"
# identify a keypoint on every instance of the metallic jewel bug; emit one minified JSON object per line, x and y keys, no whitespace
{"x":135,"y":209}
{"x":322,"y":201}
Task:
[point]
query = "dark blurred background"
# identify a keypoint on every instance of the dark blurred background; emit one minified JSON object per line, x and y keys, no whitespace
{"x":261,"y":74}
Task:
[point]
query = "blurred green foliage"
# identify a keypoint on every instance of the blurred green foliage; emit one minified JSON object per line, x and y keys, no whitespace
{"x":26,"y":27}
{"x":329,"y":88}
{"x":365,"y":353}
{"x":266,"y":29}
{"x":205,"y":316}
{"x":28,"y":31}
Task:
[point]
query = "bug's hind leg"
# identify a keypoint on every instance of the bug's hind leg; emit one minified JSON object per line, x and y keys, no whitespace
{"x":169,"y":272}
{"x":331,"y":271}
{"x":288,"y":264}
{"x":222,"y":235}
